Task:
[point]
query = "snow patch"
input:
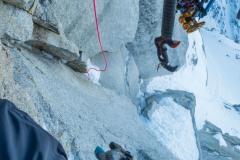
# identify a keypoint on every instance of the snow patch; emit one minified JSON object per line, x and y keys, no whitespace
{"x":70,"y":156}
{"x":238,"y":147}
{"x":219,"y":137}
{"x":140,"y":93}
{"x":94,"y":75}
{"x":172,"y":125}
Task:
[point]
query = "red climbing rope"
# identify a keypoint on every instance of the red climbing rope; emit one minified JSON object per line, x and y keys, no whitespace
{"x":99,"y":40}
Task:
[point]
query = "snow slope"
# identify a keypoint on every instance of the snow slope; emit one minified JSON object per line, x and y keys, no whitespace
{"x":222,"y":56}
{"x":212,"y":74}
{"x":172,"y":125}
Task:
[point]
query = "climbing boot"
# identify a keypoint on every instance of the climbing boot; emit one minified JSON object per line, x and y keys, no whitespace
{"x":99,"y":153}
{"x":114,"y":146}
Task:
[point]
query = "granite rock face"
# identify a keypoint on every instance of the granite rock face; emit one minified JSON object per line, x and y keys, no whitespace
{"x":120,"y":26}
{"x":45,"y":16}
{"x":132,"y":79}
{"x":117,"y":22}
{"x":211,"y":146}
{"x":122,"y":74}
{"x":15,"y":22}
{"x":183,"y":98}
{"x":113,"y":77}
{"x":236,"y":107}
{"x":78,"y":113}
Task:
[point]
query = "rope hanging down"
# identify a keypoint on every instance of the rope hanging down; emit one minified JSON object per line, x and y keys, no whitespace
{"x":100,"y":43}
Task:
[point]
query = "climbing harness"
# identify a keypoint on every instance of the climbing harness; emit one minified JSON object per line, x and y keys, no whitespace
{"x":99,"y":41}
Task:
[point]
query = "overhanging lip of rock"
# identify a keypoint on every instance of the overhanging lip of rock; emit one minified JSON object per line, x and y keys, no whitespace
{"x":183,"y":98}
{"x":53,"y":43}
{"x":54,"y":50}
{"x":78,"y":65}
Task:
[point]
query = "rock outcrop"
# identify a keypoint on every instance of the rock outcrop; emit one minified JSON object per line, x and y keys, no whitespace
{"x":238,"y":15}
{"x":23,"y":4}
{"x":45,"y":16}
{"x":236,"y":107}
{"x":211,"y":146}
{"x":122,"y":74}
{"x":15,"y":22}
{"x":53,"y":43}
{"x":159,"y":104}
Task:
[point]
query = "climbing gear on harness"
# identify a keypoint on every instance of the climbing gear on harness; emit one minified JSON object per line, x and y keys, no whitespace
{"x":188,"y":22}
{"x":195,"y":26}
{"x":190,"y":10}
